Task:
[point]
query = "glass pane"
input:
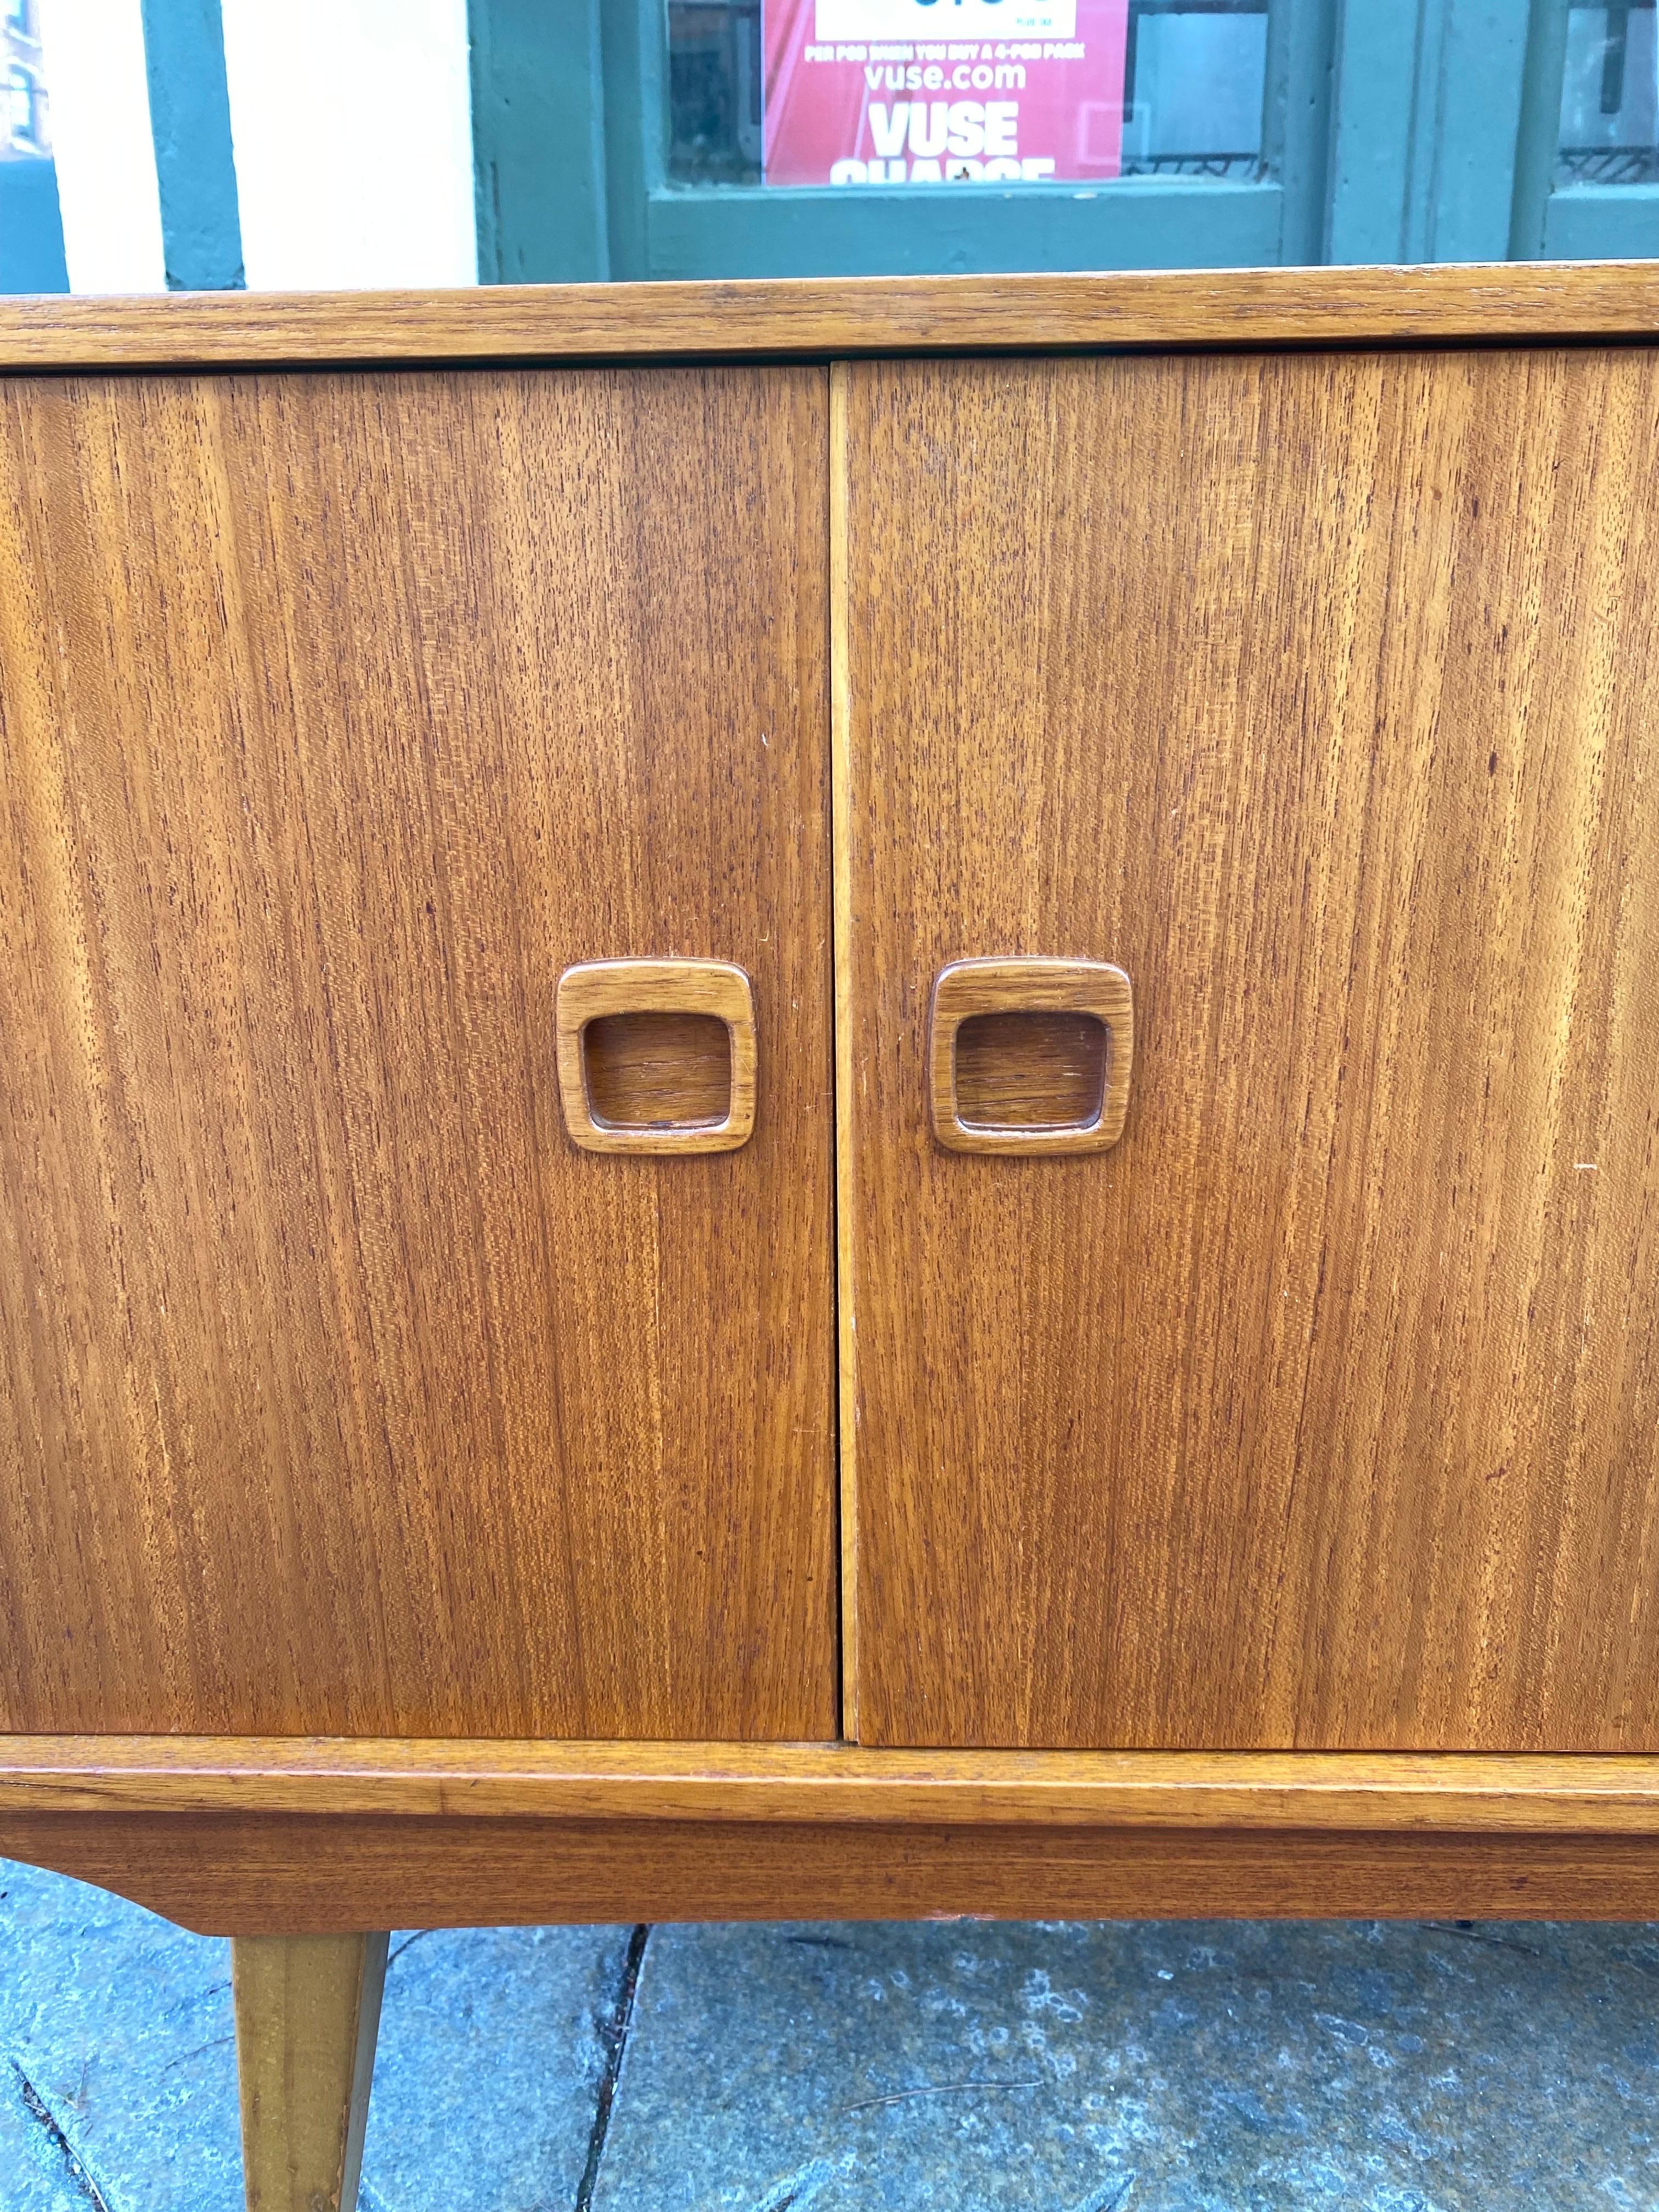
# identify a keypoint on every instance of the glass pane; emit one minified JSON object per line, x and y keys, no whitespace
{"x":1193,"y":87}
{"x":1610,"y":97}
{"x":989,"y":92}
{"x":31,"y":227}
{"x":24,"y":134}
{"x":715,"y":91}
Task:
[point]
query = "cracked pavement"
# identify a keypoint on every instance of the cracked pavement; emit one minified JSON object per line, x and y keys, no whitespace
{"x":1142,"y":2067}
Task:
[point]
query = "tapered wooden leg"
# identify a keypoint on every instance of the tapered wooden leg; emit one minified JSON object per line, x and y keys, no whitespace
{"x":307,"y":2009}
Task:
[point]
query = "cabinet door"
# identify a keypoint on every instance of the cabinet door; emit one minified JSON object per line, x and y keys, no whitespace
{"x":1316,"y":693}
{"x":340,"y":1389}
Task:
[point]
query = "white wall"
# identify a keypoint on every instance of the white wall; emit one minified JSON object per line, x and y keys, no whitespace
{"x":100,"y":104}
{"x":352,"y":122}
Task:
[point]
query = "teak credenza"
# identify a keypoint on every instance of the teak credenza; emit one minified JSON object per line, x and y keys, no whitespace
{"x":827,"y":1098}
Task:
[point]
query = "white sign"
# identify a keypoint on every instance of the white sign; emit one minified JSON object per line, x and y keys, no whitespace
{"x":945,"y":19}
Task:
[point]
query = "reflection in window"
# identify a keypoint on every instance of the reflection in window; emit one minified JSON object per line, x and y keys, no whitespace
{"x":715,"y":91}
{"x":23,"y":128}
{"x":1193,"y":78}
{"x":20,"y":108}
{"x":1610,"y":97}
{"x":1195,"y":75}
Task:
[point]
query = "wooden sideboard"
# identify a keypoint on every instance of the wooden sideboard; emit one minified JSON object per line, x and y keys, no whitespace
{"x":827,"y":1098}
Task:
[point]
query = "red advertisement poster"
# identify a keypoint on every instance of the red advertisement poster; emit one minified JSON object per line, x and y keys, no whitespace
{"x":929,"y":92}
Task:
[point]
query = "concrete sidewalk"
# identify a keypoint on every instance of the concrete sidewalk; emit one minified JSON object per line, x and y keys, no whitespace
{"x":1148,"y":2067}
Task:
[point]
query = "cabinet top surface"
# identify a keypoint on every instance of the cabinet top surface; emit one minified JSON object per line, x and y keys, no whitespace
{"x":1496,"y":302}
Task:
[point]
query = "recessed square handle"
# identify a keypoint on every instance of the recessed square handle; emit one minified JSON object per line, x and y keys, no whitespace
{"x":606,"y":992}
{"x":1056,"y":1081}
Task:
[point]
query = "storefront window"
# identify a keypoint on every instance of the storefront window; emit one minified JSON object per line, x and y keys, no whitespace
{"x":1610,"y":97}
{"x":858,"y":92}
{"x":1193,"y":87}
{"x":20,"y":109}
{"x":715,"y":91}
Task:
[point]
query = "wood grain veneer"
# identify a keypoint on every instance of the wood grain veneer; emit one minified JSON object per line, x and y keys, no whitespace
{"x":227,"y":1873}
{"x":841,"y":797}
{"x":666,"y":1068}
{"x":1317,"y":692}
{"x":1508,"y":302}
{"x":1019,"y":1092}
{"x":338,"y":713}
{"x":1030,"y":1071}
{"x":840,"y":1784}
{"x":596,"y":991}
{"x":339,"y":1390}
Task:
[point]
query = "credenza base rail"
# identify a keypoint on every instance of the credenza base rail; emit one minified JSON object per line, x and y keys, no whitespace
{"x":311,"y":1835}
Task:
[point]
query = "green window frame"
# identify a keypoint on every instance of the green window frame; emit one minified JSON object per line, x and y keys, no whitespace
{"x":1569,"y":223}
{"x":590,"y":145}
{"x":1394,"y":131}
